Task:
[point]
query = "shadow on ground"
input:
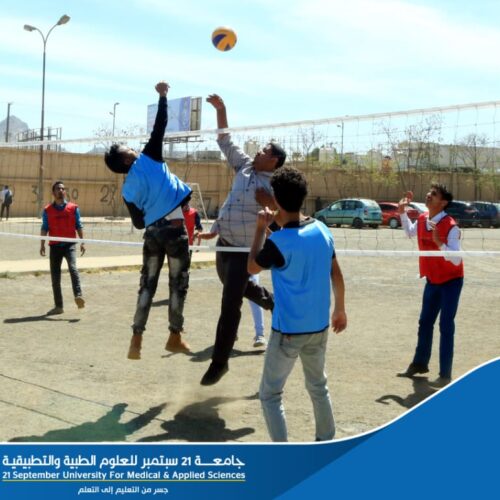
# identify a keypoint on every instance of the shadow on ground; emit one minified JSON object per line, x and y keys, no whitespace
{"x":421,"y":390}
{"x":200,"y":422}
{"x":107,"y":428}
{"x":206,"y":354}
{"x":41,"y":317}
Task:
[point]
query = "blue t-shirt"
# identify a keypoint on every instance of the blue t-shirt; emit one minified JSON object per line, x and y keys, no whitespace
{"x":152,"y":188}
{"x":300,"y":258}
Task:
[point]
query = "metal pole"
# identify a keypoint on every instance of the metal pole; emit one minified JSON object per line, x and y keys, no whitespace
{"x":114,"y":116}
{"x":8,"y":122}
{"x":62,"y":20}
{"x":342,"y":145}
{"x":40,"y":170}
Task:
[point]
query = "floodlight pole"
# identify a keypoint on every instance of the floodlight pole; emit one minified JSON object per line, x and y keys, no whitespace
{"x":63,"y":20}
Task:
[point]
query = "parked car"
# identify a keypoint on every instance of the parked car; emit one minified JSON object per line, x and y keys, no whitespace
{"x":489,"y":213}
{"x":464,"y":213}
{"x":421,"y":207}
{"x":356,"y":212}
{"x":390,"y":214}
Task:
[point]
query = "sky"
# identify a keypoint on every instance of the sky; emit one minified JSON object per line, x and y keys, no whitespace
{"x":294,"y":59}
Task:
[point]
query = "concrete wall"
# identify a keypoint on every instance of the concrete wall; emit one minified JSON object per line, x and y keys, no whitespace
{"x":97,"y":190}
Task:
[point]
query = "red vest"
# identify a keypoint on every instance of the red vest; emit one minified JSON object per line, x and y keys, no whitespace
{"x":61,"y":222}
{"x":436,"y":269}
{"x":189,"y":218}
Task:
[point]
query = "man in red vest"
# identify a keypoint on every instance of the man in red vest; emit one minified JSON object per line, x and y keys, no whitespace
{"x":192,"y":220}
{"x":62,"y":219}
{"x":436,"y":231}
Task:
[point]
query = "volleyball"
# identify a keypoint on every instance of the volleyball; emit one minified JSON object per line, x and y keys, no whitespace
{"x":224,"y":38}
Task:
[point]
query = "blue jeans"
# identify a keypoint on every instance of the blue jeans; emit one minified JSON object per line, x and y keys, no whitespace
{"x":281,"y":354}
{"x":160,"y":240}
{"x":438,"y":299}
{"x":56,"y":254}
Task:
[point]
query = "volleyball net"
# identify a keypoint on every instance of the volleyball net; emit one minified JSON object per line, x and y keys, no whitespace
{"x":376,"y":156}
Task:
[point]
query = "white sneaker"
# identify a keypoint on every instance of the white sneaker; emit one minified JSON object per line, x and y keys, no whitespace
{"x":259,"y":341}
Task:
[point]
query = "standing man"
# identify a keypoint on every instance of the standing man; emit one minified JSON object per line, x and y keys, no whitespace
{"x":436,"y":231}
{"x":235,"y":226}
{"x":6,"y":201}
{"x":302,"y":260}
{"x":62,"y":219}
{"x":154,"y":197}
{"x":192,"y":220}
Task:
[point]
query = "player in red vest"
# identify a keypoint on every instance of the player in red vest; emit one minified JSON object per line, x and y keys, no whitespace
{"x":436,"y":231}
{"x":192,"y":220}
{"x":62,"y":219}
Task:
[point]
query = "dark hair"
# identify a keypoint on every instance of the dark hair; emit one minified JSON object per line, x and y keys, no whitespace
{"x":290,"y":188}
{"x":279,"y":153}
{"x":114,"y":160}
{"x":55,"y":184}
{"x":443,"y":191}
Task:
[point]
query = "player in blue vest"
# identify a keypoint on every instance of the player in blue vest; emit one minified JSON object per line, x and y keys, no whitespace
{"x":154,"y":196}
{"x":301,"y":257}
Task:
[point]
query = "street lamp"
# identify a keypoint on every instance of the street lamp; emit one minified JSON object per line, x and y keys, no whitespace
{"x":8,"y":122}
{"x":114,"y":116}
{"x":63,"y":20}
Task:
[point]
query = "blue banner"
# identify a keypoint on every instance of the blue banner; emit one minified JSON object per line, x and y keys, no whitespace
{"x":447,"y":447}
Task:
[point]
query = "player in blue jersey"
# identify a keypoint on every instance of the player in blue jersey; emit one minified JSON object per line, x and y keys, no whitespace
{"x":301,"y":257}
{"x":154,"y":196}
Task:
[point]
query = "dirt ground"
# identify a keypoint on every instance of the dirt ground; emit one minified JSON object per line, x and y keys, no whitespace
{"x":67,"y":378}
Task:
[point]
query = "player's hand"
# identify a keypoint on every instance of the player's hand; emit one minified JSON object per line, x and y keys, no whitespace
{"x":162,"y":88}
{"x":404,"y":201}
{"x":42,"y":250}
{"x":206,"y":236}
{"x":82,"y":249}
{"x":435,"y":234}
{"x":264,"y":218}
{"x":339,"y":321}
{"x":216,"y":101}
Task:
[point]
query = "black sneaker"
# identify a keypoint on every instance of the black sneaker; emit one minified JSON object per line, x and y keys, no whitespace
{"x":414,"y":369}
{"x":214,"y":373}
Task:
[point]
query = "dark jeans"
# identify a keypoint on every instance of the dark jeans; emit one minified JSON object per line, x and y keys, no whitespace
{"x":4,"y":206}
{"x":160,"y":240}
{"x":57,"y":253}
{"x":232,"y":271}
{"x":438,"y":299}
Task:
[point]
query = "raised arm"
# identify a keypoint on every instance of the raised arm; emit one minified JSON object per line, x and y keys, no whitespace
{"x":235,"y":157}
{"x":409,"y":227}
{"x":217,"y":102}
{"x":154,"y":147}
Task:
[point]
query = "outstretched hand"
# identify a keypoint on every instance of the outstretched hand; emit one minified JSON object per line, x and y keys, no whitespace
{"x":162,"y":88}
{"x":216,"y":101}
{"x":403,"y":202}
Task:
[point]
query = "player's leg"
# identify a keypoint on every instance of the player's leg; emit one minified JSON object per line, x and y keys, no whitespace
{"x":450,"y":296}
{"x":177,"y":250}
{"x":70,"y":256}
{"x":312,"y":356}
{"x":281,"y":354}
{"x":56,"y":253}
{"x":153,"y":257}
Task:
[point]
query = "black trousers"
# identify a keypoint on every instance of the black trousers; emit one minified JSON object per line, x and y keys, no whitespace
{"x":232,"y":271}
